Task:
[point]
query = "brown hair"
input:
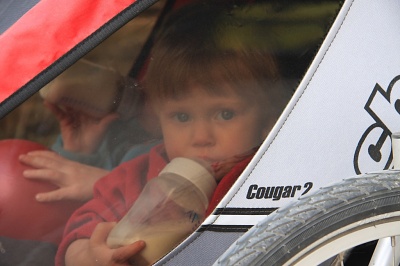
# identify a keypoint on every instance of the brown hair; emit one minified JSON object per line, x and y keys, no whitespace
{"x":215,"y":47}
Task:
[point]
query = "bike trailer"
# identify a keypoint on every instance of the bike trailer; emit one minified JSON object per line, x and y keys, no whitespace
{"x":340,"y":60}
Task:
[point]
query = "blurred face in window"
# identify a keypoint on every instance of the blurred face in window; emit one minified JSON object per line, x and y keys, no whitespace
{"x":210,"y":126}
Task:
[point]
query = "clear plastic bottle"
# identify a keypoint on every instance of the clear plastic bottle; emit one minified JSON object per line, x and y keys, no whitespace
{"x":170,"y":207}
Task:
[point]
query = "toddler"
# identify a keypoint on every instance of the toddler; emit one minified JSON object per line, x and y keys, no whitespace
{"x":214,"y":87}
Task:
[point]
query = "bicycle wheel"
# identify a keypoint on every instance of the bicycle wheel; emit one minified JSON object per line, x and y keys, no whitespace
{"x":319,"y":226}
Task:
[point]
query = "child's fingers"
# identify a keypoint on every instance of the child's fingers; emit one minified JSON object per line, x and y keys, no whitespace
{"x":44,"y":153}
{"x":100,"y":233}
{"x":53,"y":176}
{"x":48,"y":160}
{"x":55,"y":195}
{"x":123,"y":254}
{"x":64,"y":193}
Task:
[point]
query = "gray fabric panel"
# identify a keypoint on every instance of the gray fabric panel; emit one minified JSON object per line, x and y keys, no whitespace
{"x":12,"y":10}
{"x":202,"y":250}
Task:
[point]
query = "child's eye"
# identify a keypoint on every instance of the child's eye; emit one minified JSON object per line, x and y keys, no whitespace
{"x":226,"y":115}
{"x":182,"y":117}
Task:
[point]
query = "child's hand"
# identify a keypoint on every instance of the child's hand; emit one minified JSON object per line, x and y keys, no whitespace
{"x":80,"y":132}
{"x":75,"y":180}
{"x":96,"y":252}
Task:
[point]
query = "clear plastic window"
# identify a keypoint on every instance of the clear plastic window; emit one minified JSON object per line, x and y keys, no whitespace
{"x":207,"y":93}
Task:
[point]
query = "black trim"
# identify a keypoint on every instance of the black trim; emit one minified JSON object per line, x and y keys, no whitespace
{"x":244,"y":211}
{"x":225,"y":228}
{"x":234,"y":211}
{"x":145,"y":52}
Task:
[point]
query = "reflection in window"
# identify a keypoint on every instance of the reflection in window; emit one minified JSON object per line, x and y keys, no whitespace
{"x":209,"y":88}
{"x":33,"y":121}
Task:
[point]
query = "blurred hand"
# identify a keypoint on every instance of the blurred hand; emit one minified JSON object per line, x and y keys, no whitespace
{"x":75,"y":180}
{"x":94,"y":251}
{"x":80,"y":132}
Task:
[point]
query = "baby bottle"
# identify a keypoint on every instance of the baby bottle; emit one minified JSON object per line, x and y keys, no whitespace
{"x":170,"y":207}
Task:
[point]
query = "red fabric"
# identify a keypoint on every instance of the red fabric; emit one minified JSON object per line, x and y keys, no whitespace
{"x":45,"y":33}
{"x":116,"y":193}
{"x":227,"y":182}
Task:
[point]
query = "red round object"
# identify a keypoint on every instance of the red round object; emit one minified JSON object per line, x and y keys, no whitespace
{"x":21,"y":216}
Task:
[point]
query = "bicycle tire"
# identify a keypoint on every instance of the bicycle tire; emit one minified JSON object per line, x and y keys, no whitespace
{"x":318,"y":226}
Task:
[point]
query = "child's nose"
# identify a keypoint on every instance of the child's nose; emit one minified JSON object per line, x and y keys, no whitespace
{"x":203,"y":134}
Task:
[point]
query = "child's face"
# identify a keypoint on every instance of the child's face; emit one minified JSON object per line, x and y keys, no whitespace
{"x":211,"y":127}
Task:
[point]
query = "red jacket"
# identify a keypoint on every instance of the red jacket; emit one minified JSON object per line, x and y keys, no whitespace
{"x":115,"y":194}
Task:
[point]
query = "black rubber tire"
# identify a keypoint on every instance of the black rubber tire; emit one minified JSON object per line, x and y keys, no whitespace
{"x":313,"y":222}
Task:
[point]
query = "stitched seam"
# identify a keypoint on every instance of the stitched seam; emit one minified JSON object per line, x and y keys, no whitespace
{"x":283,"y":124}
